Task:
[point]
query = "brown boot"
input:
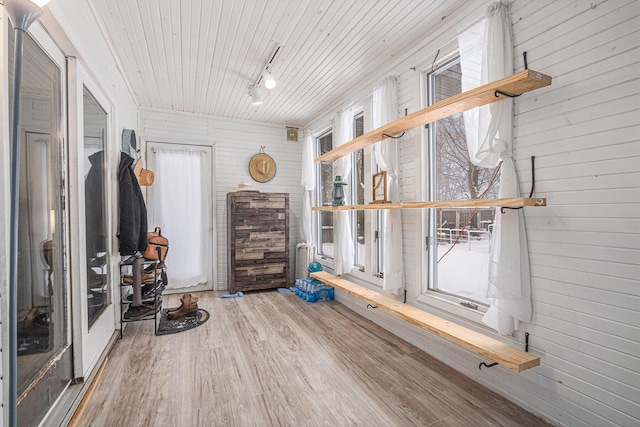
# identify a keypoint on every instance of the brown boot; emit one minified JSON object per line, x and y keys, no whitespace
{"x":189,"y":306}
{"x":183,"y":298}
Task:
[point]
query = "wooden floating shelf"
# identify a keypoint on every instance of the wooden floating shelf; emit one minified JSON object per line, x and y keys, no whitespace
{"x":515,"y":202}
{"x":516,"y":84}
{"x":485,"y":346}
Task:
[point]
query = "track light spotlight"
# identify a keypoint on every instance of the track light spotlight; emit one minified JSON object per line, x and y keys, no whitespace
{"x":269,"y":80}
{"x":256,"y":98}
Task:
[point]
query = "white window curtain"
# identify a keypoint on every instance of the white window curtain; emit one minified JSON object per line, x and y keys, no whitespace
{"x":308,"y":183}
{"x":385,"y":110}
{"x":180,"y":206}
{"x":486,"y":54}
{"x":343,"y":237}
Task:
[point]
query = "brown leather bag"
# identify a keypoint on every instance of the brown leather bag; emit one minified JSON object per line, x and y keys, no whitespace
{"x":158,"y":245}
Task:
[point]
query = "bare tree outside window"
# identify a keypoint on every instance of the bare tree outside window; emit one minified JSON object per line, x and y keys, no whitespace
{"x":458,"y":178}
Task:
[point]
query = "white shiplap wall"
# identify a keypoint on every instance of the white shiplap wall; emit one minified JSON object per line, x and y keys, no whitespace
{"x":234,"y":142}
{"x":585,"y":245}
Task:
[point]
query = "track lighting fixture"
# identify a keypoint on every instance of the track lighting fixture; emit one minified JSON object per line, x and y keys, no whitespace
{"x":256,"y":98}
{"x":265,"y":78}
{"x":268,"y":79}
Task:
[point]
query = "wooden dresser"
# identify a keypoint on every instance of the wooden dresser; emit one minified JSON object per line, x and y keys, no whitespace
{"x":258,"y":240}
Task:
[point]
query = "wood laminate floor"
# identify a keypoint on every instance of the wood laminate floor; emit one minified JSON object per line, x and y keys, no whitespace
{"x":272,"y":359}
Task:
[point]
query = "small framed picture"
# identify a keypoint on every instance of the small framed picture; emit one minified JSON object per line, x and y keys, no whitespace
{"x":379,"y":186}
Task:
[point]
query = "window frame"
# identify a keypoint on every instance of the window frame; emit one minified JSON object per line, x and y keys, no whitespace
{"x":372,"y":245}
{"x":373,"y":235}
{"x":324,"y":259}
{"x":431,"y":296}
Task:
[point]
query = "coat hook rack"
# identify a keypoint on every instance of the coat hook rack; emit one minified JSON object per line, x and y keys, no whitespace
{"x":490,"y":365}
{"x":533,"y":185}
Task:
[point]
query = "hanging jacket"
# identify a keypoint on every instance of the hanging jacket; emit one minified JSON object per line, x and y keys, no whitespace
{"x":132,"y":218}
{"x":94,"y":207}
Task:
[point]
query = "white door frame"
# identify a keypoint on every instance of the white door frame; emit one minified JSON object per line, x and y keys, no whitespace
{"x":89,"y":344}
{"x":212,"y":272}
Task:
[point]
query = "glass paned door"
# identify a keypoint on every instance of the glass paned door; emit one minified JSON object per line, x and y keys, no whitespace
{"x":42,"y":323}
{"x":95,"y":200}
{"x":180,"y":203}
{"x":93,"y":311}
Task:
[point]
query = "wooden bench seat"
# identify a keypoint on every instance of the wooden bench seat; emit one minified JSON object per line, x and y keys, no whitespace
{"x":487,"y":347}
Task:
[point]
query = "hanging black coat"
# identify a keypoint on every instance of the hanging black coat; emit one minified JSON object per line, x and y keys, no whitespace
{"x":132,"y":218}
{"x":95,"y":206}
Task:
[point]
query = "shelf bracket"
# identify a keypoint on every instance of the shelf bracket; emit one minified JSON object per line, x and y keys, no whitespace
{"x":490,"y":365}
{"x":533,"y":184}
{"x":497,"y":94}
{"x":384,"y":135}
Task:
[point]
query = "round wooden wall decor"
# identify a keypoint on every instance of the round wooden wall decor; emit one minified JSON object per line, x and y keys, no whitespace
{"x":262,"y":167}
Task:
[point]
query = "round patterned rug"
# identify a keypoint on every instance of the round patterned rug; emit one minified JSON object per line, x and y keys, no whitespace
{"x":171,"y":326}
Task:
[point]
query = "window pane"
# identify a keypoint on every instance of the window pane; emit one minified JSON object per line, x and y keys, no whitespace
{"x":463,"y":235}
{"x":41,"y":295}
{"x":358,"y":190}
{"x":95,"y":127}
{"x":325,"y":195}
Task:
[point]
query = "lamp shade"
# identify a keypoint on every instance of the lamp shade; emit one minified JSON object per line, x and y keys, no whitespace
{"x":269,"y":80}
{"x":23,"y":13}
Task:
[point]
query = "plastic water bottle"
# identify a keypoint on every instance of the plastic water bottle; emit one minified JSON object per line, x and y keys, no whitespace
{"x":305,"y":289}
{"x":322,"y":293}
{"x":311,"y":295}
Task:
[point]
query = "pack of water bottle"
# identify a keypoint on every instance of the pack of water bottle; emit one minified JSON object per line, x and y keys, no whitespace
{"x":313,"y":290}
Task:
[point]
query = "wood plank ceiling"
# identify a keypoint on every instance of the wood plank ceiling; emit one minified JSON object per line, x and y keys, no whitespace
{"x":201,"y":56}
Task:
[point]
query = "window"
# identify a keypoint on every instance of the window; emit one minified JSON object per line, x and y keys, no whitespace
{"x":324,"y":194}
{"x":460,"y":239}
{"x":365,"y":224}
{"x":357,"y":195}
{"x":44,"y":356}
{"x":96,"y":216}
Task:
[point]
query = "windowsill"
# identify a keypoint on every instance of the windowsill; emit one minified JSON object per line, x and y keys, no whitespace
{"x":361,"y":277}
{"x":441,"y":303}
{"x":326,"y":262}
